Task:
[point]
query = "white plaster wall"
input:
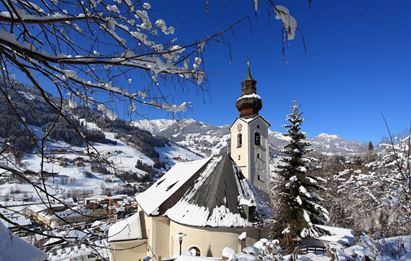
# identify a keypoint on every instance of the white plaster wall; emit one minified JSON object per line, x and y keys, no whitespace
{"x":210,"y":241}
{"x":158,"y":234}
{"x":250,"y":165}
{"x":134,"y":250}
{"x":259,"y":165}
{"x":240,"y":155}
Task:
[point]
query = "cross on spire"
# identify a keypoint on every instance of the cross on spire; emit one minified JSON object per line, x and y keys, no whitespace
{"x":248,"y":76}
{"x":249,"y":103}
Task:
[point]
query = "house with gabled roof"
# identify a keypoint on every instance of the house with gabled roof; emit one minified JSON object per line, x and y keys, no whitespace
{"x":205,"y":205}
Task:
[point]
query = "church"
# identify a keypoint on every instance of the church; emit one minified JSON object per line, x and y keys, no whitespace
{"x":199,"y":207}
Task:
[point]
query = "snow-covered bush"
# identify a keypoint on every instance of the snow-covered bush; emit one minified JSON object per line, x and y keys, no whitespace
{"x":395,"y":248}
{"x":370,"y":192}
{"x":264,"y":249}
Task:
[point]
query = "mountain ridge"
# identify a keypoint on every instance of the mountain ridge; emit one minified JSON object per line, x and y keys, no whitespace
{"x":176,"y":130}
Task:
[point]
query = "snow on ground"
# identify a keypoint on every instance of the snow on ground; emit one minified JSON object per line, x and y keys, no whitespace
{"x":394,"y":249}
{"x":81,"y":252}
{"x":70,"y":163}
{"x":195,"y":142}
{"x":121,"y":154}
{"x":309,"y":257}
{"x":70,"y":178}
{"x":313,"y":257}
{"x":338,"y":235}
{"x":187,"y":257}
{"x":171,"y":154}
{"x":16,"y":215}
{"x":89,"y":125}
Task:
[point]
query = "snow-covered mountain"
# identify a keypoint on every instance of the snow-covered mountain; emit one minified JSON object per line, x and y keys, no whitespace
{"x":197,"y":136}
{"x":119,"y":153}
{"x":333,"y":144}
{"x":113,"y":156}
{"x":206,"y":139}
{"x":154,"y":126}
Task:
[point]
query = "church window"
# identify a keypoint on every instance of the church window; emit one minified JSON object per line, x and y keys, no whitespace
{"x":258,"y":126}
{"x":239,"y":157}
{"x":258,"y":155}
{"x":257,"y":139}
{"x":195,"y":251}
{"x":239,"y":140}
{"x":259,"y":177}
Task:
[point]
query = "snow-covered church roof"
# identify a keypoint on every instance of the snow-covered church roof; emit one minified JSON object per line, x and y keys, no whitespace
{"x":211,"y":192}
{"x":13,"y":248}
{"x":126,"y":229}
{"x":151,"y":199}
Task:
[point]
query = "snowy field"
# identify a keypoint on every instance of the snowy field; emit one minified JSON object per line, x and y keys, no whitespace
{"x":72,"y":169}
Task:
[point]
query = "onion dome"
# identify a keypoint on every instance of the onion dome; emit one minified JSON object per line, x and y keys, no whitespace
{"x":249,"y":104}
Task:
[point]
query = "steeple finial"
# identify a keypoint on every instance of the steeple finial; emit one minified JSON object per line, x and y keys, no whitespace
{"x":248,"y":76}
{"x":249,"y":103}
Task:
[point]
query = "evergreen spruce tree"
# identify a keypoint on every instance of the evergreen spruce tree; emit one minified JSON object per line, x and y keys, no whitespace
{"x":370,"y":146}
{"x":300,"y":207}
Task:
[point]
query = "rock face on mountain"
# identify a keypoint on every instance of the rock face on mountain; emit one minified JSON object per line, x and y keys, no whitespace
{"x":206,"y":139}
{"x":333,"y":144}
{"x":121,"y":152}
{"x":200,"y":138}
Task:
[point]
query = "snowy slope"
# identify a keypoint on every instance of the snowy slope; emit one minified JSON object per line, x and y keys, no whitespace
{"x":154,"y":126}
{"x":333,"y":144}
{"x":74,"y":172}
{"x":200,"y":138}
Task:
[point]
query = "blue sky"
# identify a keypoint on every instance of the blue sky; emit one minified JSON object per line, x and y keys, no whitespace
{"x":357,"y":64}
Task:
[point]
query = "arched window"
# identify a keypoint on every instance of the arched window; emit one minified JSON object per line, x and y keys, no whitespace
{"x":257,"y":139}
{"x":239,"y":140}
{"x":194,"y":251}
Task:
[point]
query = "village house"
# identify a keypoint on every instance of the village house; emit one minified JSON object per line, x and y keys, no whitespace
{"x":60,"y":215}
{"x":105,"y":200}
{"x":200,"y":207}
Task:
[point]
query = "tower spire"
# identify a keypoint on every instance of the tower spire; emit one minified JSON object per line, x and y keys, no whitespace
{"x":249,"y":104}
{"x":248,"y":76}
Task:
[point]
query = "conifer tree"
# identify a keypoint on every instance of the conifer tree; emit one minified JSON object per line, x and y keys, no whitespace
{"x":370,"y":146}
{"x":299,"y":205}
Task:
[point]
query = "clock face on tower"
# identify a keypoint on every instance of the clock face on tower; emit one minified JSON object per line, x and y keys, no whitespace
{"x":239,"y":127}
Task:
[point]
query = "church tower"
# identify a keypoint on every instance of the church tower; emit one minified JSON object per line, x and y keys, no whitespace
{"x":249,"y":133}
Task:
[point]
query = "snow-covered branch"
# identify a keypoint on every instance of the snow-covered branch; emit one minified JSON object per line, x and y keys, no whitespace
{"x":86,"y":43}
